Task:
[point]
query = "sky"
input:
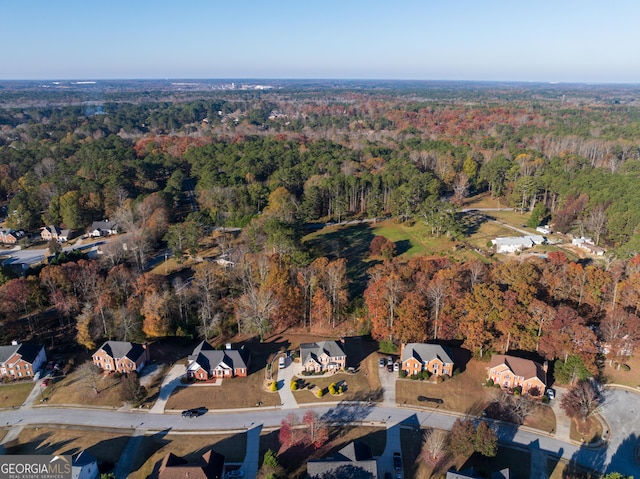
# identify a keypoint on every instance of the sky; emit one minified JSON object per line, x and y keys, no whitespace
{"x":495,"y":40}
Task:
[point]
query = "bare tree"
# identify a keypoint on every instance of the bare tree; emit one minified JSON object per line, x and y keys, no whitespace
{"x":434,"y":446}
{"x":596,"y":222}
{"x":89,"y":375}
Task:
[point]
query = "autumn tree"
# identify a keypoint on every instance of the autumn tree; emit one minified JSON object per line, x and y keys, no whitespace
{"x":381,"y":246}
{"x":581,"y":401}
{"x":461,"y":438}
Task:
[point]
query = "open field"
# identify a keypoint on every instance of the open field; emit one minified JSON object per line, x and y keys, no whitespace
{"x":191,"y":447}
{"x":78,"y":389}
{"x":619,"y":376}
{"x":294,"y":459}
{"x":106,"y":445}
{"x":14,"y":394}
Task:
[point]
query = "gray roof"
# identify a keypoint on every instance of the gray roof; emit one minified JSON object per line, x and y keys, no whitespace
{"x":425,"y":353}
{"x":123,"y":349}
{"x":354,"y":461}
{"x":209,"y":358}
{"x":332,"y":349}
{"x":103,"y":225}
{"x":28,"y":351}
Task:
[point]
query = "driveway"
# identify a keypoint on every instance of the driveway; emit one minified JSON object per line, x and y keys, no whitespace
{"x":285,"y":375}
{"x":563,"y":422}
{"x":171,"y":381}
{"x":388,"y":383}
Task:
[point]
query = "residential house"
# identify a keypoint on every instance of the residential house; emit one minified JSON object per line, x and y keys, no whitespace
{"x":418,"y":357}
{"x":121,"y":356}
{"x":513,"y":244}
{"x":103,"y":228}
{"x":510,"y":372}
{"x":21,"y":360}
{"x":9,"y":236}
{"x":49,"y":233}
{"x":354,"y":461}
{"x":471,"y":474}
{"x":210,"y":466}
{"x":84,"y":466}
{"x":206,"y":362}
{"x":323,"y":356}
{"x":545,"y":230}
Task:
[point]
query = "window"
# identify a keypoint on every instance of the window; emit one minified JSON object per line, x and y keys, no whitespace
{"x":26,"y":366}
{"x":28,"y":373}
{"x":17,"y":367}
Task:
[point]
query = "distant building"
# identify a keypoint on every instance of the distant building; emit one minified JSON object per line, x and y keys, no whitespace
{"x":513,"y":244}
{"x":354,"y":461}
{"x":103,"y":228}
{"x":587,"y":244}
{"x":210,"y":466}
{"x":206,"y":362}
{"x":323,"y":356}
{"x":545,"y":230}
{"x":49,"y":233}
{"x":9,"y":236}
{"x":418,"y":357}
{"x":121,"y":356}
{"x":21,"y":360}
{"x":510,"y":372}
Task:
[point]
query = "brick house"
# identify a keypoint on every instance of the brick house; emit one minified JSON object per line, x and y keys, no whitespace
{"x":206,"y":362}
{"x":21,"y":360}
{"x":49,"y":233}
{"x":418,"y":357}
{"x":322,"y":356}
{"x":121,"y":356}
{"x":510,"y":372}
{"x":9,"y":236}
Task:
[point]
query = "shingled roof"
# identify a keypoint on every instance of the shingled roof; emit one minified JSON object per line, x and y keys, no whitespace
{"x":332,"y":349}
{"x":425,"y":352}
{"x":123,"y":349}
{"x":209,"y":358}
{"x":525,"y":368}
{"x":28,"y":351}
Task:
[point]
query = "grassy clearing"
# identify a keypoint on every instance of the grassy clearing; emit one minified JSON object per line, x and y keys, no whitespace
{"x":542,"y":418}
{"x":75,"y":389}
{"x":105,"y":445}
{"x":294,"y":459}
{"x":620,"y":376}
{"x":561,"y":469}
{"x":14,"y":394}
{"x":191,"y":447}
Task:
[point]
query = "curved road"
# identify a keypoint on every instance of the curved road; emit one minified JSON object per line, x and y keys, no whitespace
{"x":620,"y":409}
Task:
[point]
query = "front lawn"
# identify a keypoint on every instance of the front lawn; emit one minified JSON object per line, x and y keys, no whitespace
{"x":587,"y":431}
{"x":463,"y":393}
{"x":77,"y":389}
{"x":14,"y":394}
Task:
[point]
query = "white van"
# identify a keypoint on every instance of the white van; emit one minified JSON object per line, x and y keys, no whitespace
{"x":281,"y":363}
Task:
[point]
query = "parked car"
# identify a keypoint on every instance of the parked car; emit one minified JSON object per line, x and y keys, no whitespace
{"x":281,"y":363}
{"x":396,"y":367}
{"x":551,"y":393}
{"x":389,"y":361}
{"x":390,"y":368}
{"x":45,"y":382}
{"x":382,"y":362}
{"x":189,"y":413}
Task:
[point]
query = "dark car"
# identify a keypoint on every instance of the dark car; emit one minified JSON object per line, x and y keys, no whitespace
{"x":382,"y":362}
{"x":390,"y":368}
{"x":190,"y":413}
{"x":397,"y":461}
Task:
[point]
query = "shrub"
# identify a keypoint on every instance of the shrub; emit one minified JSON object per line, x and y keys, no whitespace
{"x":424,"y":374}
{"x":626,"y":367}
{"x":545,"y":399}
{"x":517,"y":390}
{"x":456,"y":371}
{"x":320,"y":393}
{"x":402,"y":374}
{"x":490,"y":383}
{"x":274,"y":386}
{"x":332,"y":389}
{"x":340,"y":390}
{"x":414,"y":377}
{"x":294,"y":385}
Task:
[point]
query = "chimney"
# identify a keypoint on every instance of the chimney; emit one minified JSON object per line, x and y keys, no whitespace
{"x":545,"y":367}
{"x":14,"y":343}
{"x":228,"y":346}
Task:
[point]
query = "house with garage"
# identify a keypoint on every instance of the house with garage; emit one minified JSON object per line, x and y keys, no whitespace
{"x":354,"y":461}
{"x":103,"y":228}
{"x":49,"y":233}
{"x":9,"y":236}
{"x":209,"y":466}
{"x":510,"y":372}
{"x":323,"y":356}
{"x":21,"y":360}
{"x":207,"y":362}
{"x":121,"y":356}
{"x":418,"y":357}
{"x":514,"y":244}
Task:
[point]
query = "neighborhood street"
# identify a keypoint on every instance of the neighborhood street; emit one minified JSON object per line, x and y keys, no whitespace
{"x":620,"y":412}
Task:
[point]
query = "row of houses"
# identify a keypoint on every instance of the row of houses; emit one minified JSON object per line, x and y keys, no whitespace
{"x":19,"y":361}
{"x":61,"y":235}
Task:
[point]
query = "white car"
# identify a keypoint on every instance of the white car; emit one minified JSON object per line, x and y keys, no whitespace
{"x":281,"y":363}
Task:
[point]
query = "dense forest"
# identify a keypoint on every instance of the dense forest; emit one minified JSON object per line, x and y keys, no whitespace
{"x":274,"y":161}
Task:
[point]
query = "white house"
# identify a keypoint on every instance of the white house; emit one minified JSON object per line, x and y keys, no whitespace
{"x":512,"y":244}
{"x":545,"y":230}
